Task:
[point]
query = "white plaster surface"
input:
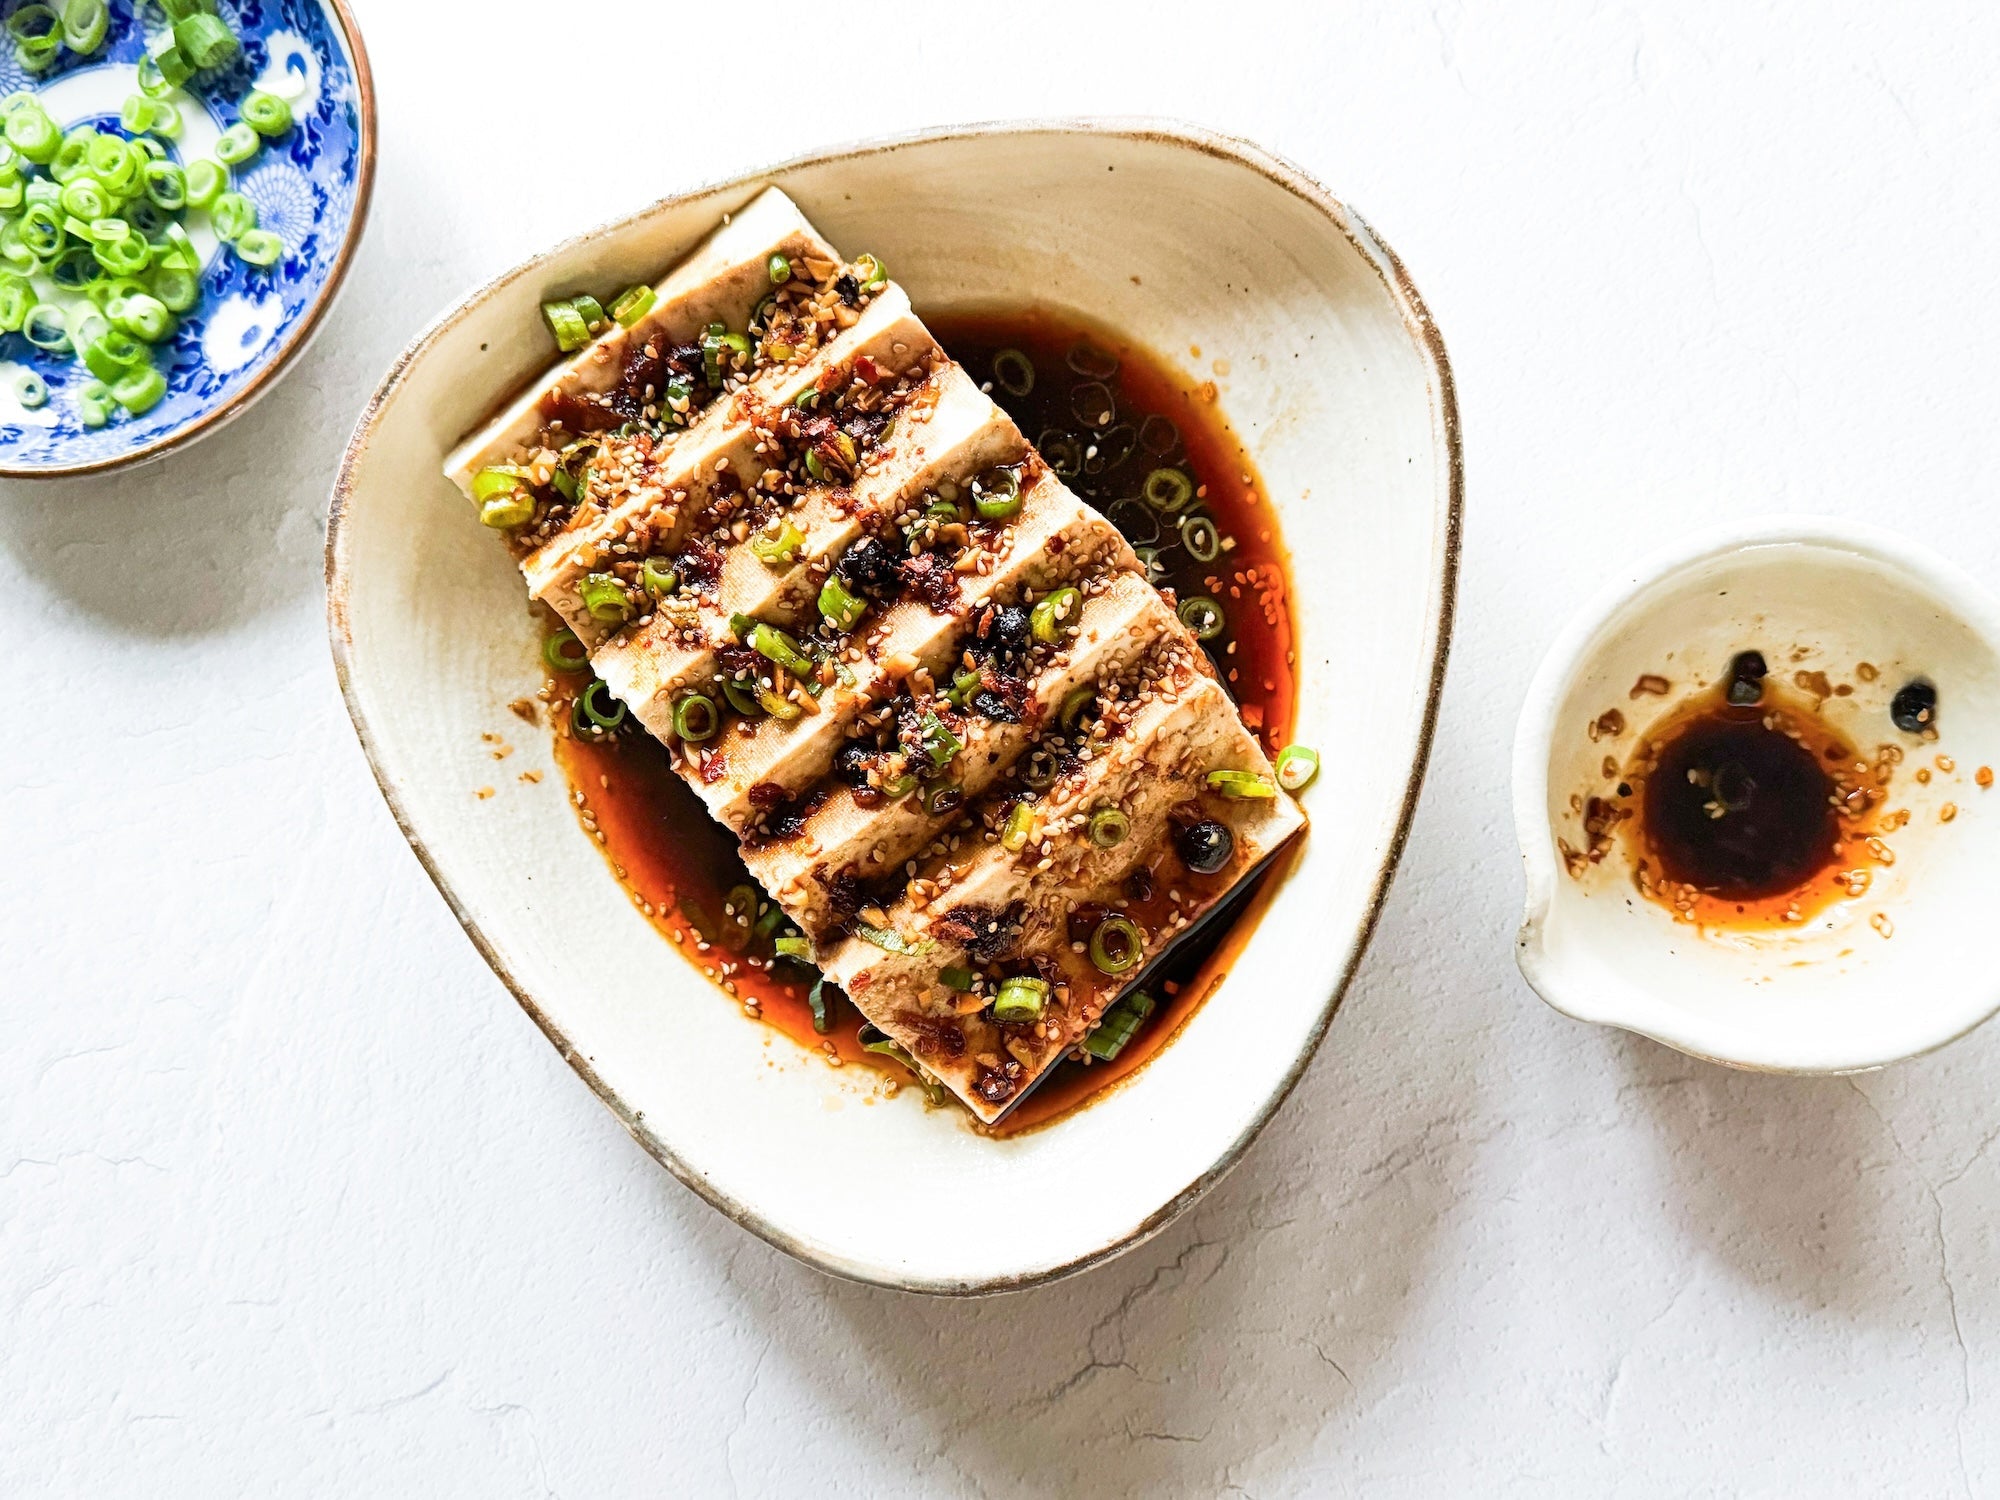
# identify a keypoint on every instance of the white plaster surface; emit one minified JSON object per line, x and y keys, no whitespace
{"x":294,"y":1200}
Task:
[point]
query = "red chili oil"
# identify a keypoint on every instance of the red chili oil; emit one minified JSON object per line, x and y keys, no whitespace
{"x":680,"y":865}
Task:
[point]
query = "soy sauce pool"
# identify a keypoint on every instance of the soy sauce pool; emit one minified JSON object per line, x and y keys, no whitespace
{"x":680,"y":866}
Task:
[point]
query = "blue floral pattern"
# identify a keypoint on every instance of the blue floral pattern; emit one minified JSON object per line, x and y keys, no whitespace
{"x":304,"y":185}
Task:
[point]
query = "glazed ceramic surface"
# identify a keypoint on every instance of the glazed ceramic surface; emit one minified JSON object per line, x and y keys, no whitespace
{"x":1893,"y":972}
{"x":310,"y":187}
{"x":1339,"y":386}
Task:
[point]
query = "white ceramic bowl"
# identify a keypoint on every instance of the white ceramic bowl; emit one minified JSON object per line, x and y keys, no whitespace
{"x":1340,"y":387}
{"x":1893,"y":973}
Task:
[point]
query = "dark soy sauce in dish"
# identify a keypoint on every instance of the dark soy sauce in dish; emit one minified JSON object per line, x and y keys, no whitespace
{"x":1109,"y":416}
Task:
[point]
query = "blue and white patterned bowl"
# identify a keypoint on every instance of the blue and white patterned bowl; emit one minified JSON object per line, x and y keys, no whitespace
{"x":311,"y":187}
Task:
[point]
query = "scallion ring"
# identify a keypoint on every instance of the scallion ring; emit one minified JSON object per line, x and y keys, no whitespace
{"x":1242,"y":786}
{"x":1200,"y":537}
{"x":113,"y":355}
{"x":996,"y":493}
{"x":264,"y":113}
{"x":206,"y":181}
{"x":742,"y":697}
{"x":1203,"y":616}
{"x":1020,"y":825}
{"x":32,"y":133}
{"x":632,"y":304}
{"x":773,"y":644}
{"x":776,"y":704}
{"x":739,"y":916}
{"x":603,"y":595}
{"x":233,"y":216}
{"x":237,"y":144}
{"x":1075,"y":703}
{"x":777,"y":546}
{"x":1109,"y":827}
{"x":84,"y":23}
{"x":944,"y":797}
{"x":958,"y":978}
{"x":780,"y":270}
{"x":1168,"y":490}
{"x":570,"y":331}
{"x":17,"y":300}
{"x":1013,"y":372}
{"x":139,"y":391}
{"x":259,"y":247}
{"x":1118,"y":945}
{"x":31,"y":390}
{"x":565,"y":653}
{"x":46,"y":327}
{"x":839,"y":606}
{"x":204,"y":40}
{"x":659,"y":577}
{"x":870,"y":272}
{"x":94,"y":405}
{"x":1297,"y":766}
{"x":1020,"y":1000}
{"x":166,"y":186}
{"x":596,"y":708}
{"x":143,"y":316}
{"x":695,"y":718}
{"x":795,"y":946}
{"x":1117,"y":1025}
{"x":1048,"y":620}
{"x":509,"y":510}
{"x":175,"y":287}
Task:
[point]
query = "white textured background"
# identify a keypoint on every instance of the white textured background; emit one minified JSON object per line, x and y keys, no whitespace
{"x":293,"y":1199}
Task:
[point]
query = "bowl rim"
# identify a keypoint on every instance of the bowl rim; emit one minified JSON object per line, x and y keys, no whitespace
{"x":295,"y":343}
{"x":1951,"y":586}
{"x":1418,"y":323}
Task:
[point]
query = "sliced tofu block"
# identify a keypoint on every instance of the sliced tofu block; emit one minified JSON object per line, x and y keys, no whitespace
{"x":958,"y":433}
{"x":1054,"y":540}
{"x":722,"y":281}
{"x":844,"y":840}
{"x":1154,"y":775}
{"x":673,"y":490}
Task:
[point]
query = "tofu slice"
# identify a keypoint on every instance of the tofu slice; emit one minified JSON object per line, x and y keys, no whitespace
{"x":958,"y":433}
{"x":1117,"y":629}
{"x":722,"y":281}
{"x":1055,"y":540}
{"x":1154,"y":775}
{"x":677,"y":490}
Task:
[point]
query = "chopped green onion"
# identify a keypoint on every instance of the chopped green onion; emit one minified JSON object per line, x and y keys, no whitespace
{"x":175,"y":287}
{"x":31,"y":132}
{"x":124,"y":257}
{"x":773,"y":644}
{"x":31,"y":390}
{"x":1109,"y":827}
{"x":780,"y":269}
{"x":32,"y":21}
{"x":1168,"y":490}
{"x":799,"y":948}
{"x":816,"y":999}
{"x":204,"y":41}
{"x":1202,"y":540}
{"x":900,"y":786}
{"x":695,"y":718}
{"x":1020,"y":1000}
{"x":260,"y":247}
{"x":237,"y":144}
{"x":84,"y":23}
{"x":206,"y":181}
{"x":233,"y":216}
{"x":1020,"y":824}
{"x":508,"y":511}
{"x":173,"y":66}
{"x":963,"y":685}
{"x":1118,"y":945}
{"x":178,"y":251}
{"x":890,"y":940}
{"x":141,"y":315}
{"x":742,"y":697}
{"x":566,"y":323}
{"x":93,"y":404}
{"x":1297,"y":766}
{"x":591,"y":311}
{"x":739,"y":914}
{"x":943,"y":797}
{"x":778,"y":544}
{"x":166,"y":186}
{"x":1048,"y":620}
{"x":264,"y":113}
{"x":717,"y":340}
{"x":952,"y":977}
{"x":114,"y":355}
{"x":47,"y":327}
{"x":604,"y":596}
{"x":1203,"y":616}
{"x":151,"y":83}
{"x":839,"y":606}
{"x":591,"y":702}
{"x":1118,"y":1024}
{"x":776,"y":704}
{"x":565,"y":653}
{"x":1074,"y":703}
{"x":659,"y":577}
{"x":1242,"y":786}
{"x":500,"y":479}
{"x":1013,"y":372}
{"x":136,"y":114}
{"x":632,"y":304}
{"x":871,"y":273}
{"x":17,"y":300}
{"x":939,"y":742}
{"x":139,"y":391}
{"x":996,"y":494}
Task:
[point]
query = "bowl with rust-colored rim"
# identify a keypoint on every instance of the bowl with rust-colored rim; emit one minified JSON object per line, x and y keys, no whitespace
{"x":1343,"y":394}
{"x":1893,"y":969}
{"x":311,"y":187}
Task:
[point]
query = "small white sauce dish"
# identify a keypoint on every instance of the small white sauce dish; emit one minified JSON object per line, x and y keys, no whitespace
{"x":1889,"y":974}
